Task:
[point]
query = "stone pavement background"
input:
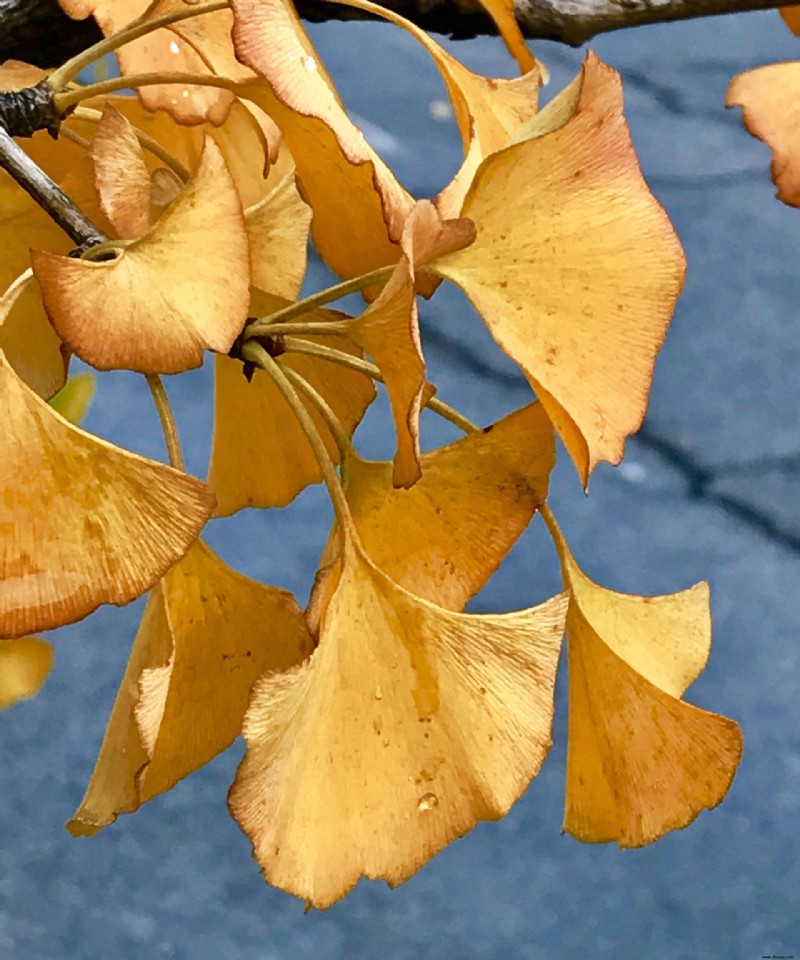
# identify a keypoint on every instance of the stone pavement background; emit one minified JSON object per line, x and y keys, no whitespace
{"x":708,"y":491}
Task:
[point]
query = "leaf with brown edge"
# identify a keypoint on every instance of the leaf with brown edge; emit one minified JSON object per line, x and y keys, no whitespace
{"x":121,"y":174}
{"x":640,"y":761}
{"x":260,"y":455}
{"x":791,"y":17}
{"x":769,"y":98}
{"x":30,"y":343}
{"x":575,"y":269}
{"x":359,"y":207}
{"x":82,"y":522}
{"x":25,"y":664}
{"x":150,"y":309}
{"x":207,"y":634}
{"x":459,"y":521}
{"x":277,"y":230}
{"x":407,"y":725}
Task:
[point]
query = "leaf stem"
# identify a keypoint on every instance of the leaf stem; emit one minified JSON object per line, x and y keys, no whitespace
{"x":68,"y":98}
{"x":558,"y":540}
{"x":167,"y":418}
{"x":333,"y":328}
{"x":139,"y":27}
{"x":343,"y":442}
{"x":435,"y":405}
{"x":256,"y":354}
{"x":264,"y":324}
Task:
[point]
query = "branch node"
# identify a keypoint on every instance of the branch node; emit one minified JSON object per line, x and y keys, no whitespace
{"x":24,"y":112}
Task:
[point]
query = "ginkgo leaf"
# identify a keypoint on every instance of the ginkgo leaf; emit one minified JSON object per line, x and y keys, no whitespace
{"x":150,"y":309}
{"x":791,"y":17}
{"x":73,"y":400}
{"x":575,"y":269}
{"x":207,"y":634}
{"x":27,"y":338}
{"x":458,"y":522}
{"x":640,"y":761}
{"x":359,"y":207}
{"x":503,"y":14}
{"x":200,"y":45}
{"x":83,"y":522}
{"x":121,"y":174}
{"x":407,"y":725}
{"x":277,"y":229}
{"x":260,"y":455}
{"x":25,"y":664}
{"x":768,"y":97}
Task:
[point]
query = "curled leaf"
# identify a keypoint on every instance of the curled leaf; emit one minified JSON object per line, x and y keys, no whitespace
{"x":406,"y":726}
{"x":575,"y":268}
{"x":206,"y":635}
{"x":150,"y":309}
{"x":121,"y":174}
{"x":82,"y":522}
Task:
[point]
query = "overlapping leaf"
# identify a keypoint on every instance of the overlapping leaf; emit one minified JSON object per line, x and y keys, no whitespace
{"x":82,"y":522}
{"x":150,"y":309}
{"x":25,"y":664}
{"x":407,"y":725}
{"x":575,"y":268}
{"x":640,"y":761}
{"x":206,"y":635}
{"x":768,"y":97}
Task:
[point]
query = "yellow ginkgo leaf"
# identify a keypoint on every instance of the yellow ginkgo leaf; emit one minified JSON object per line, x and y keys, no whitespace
{"x":121,"y":174}
{"x":25,"y":664}
{"x":277,"y":229}
{"x":206,"y":635}
{"x":260,"y":455}
{"x":407,"y":725}
{"x":770,"y":101}
{"x":459,"y":521}
{"x":81,"y":522}
{"x":640,"y":762}
{"x":575,"y":269}
{"x":74,"y":399}
{"x":27,"y":338}
{"x":150,"y":309}
{"x":359,"y":207}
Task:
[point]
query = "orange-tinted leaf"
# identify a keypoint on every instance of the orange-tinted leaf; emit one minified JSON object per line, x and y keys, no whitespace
{"x":502,"y":12}
{"x":121,"y":174}
{"x":151,"y":309}
{"x":277,"y":229}
{"x":30,"y":343}
{"x":770,"y":102}
{"x":205,"y":637}
{"x":25,"y":664}
{"x":442,"y":539}
{"x":81,"y":522}
{"x":640,"y":761}
{"x":406,"y":726}
{"x":260,"y":455}
{"x":575,"y":269}
{"x":791,"y":17}
{"x":359,"y":207}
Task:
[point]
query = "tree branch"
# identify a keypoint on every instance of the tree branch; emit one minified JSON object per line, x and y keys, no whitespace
{"x":38,"y":32}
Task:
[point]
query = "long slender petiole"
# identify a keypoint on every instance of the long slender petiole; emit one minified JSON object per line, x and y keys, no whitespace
{"x":139,"y":27}
{"x":68,"y":98}
{"x":167,"y":418}
{"x":333,"y":423}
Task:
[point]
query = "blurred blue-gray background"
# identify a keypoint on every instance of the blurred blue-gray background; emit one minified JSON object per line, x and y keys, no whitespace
{"x":708,"y":491}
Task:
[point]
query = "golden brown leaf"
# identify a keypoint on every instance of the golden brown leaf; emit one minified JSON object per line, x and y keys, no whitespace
{"x":121,"y":174}
{"x":503,"y":14}
{"x":769,"y":98}
{"x":406,"y":726}
{"x":205,"y":637}
{"x":150,"y":309}
{"x":791,"y":17}
{"x":81,"y":522}
{"x":575,"y":269}
{"x":25,"y":664}
{"x":359,"y":207}
{"x":260,"y":455}
{"x":277,"y":230}
{"x":640,"y":761}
